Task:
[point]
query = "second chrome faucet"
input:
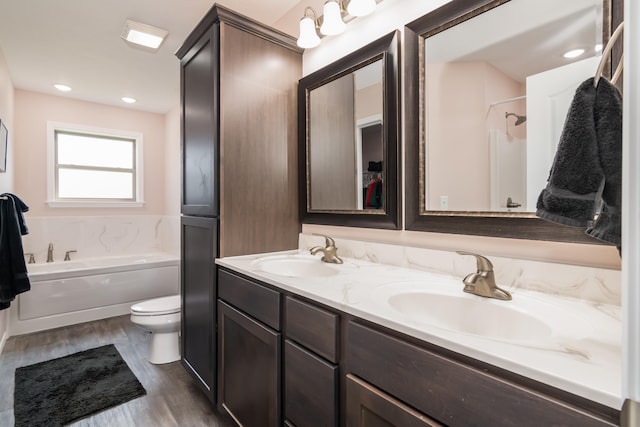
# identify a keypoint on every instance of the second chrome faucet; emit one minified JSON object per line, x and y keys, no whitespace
{"x":483,"y":281}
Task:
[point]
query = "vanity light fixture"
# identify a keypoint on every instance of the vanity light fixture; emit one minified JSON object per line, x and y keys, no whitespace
{"x":308,"y":30}
{"x":139,"y":34}
{"x":332,"y":23}
{"x":573,"y":53}
{"x":333,"y":20}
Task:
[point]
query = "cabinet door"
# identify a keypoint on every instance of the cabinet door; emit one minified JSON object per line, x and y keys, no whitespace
{"x":369,"y":407}
{"x":310,"y":388}
{"x":199,"y":70}
{"x":249,"y":374}
{"x":198,"y":290}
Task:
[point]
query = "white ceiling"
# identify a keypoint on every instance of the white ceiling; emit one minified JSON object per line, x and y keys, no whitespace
{"x":523,"y":38}
{"x":77,"y":43}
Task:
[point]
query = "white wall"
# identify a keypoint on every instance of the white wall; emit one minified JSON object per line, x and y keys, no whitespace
{"x":6,"y":116}
{"x":391,"y":15}
{"x":6,"y":179}
{"x":33,"y":110}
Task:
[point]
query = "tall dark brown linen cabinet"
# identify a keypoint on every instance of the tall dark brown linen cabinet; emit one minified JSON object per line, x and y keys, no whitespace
{"x":239,"y":163}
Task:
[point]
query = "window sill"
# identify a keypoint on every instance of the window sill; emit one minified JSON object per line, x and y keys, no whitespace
{"x":91,"y":204}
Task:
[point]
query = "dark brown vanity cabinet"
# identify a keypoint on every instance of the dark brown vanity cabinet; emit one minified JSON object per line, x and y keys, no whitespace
{"x":286,"y":360}
{"x":249,"y":357}
{"x":311,"y":373}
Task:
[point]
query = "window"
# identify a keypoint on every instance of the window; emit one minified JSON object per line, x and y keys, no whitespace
{"x":91,"y":167}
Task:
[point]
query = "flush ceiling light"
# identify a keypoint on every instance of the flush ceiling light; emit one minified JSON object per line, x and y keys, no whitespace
{"x":332,"y":23}
{"x":129,"y":100}
{"x":62,"y":88}
{"x":573,"y":53}
{"x":143,"y":34}
{"x":308,"y":35}
{"x":361,"y":7}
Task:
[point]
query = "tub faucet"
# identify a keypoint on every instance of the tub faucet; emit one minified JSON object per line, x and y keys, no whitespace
{"x":50,"y":253}
{"x":330,"y":251}
{"x":483,"y":281}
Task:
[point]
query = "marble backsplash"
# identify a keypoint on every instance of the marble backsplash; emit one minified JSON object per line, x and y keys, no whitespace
{"x":599,"y":285}
{"x":100,"y":236}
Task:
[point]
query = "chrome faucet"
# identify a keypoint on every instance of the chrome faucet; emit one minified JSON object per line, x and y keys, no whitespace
{"x":329,"y":251}
{"x":483,"y":281}
{"x":50,"y":253}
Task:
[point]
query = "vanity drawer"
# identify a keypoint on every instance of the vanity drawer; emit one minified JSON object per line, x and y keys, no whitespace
{"x":312,"y":327}
{"x":451,"y":392}
{"x":261,"y":303}
{"x":310,"y":388}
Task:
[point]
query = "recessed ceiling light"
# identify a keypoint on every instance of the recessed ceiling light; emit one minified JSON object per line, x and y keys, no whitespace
{"x":62,"y":88}
{"x":598,"y":47}
{"x":573,"y":53}
{"x":143,"y":34}
{"x":129,"y":100}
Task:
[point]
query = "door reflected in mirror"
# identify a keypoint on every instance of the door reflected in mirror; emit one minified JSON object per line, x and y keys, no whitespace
{"x":345,"y":142}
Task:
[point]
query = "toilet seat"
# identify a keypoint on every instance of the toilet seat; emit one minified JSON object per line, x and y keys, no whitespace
{"x":157,"y":306}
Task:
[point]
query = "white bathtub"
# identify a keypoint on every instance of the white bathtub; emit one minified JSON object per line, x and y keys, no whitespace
{"x":69,"y":292}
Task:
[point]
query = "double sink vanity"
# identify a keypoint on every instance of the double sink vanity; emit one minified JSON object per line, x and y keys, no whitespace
{"x":368,"y":342}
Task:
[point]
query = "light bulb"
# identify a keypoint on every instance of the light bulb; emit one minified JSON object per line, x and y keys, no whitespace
{"x":332,"y":22}
{"x":308,"y":36}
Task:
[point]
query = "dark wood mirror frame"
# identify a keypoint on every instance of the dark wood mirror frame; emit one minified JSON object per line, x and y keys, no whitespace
{"x":387,"y":49}
{"x":509,"y":225}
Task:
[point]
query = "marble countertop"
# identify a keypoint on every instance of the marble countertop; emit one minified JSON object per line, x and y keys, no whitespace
{"x":581,"y":354}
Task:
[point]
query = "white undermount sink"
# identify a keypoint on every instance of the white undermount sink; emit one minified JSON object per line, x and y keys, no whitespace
{"x":442,"y":304}
{"x":295,"y":266}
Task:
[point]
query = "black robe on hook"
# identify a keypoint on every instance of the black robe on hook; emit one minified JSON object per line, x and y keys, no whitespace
{"x":13,"y":270}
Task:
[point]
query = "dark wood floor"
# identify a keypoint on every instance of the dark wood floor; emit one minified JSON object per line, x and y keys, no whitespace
{"x":172,"y":398}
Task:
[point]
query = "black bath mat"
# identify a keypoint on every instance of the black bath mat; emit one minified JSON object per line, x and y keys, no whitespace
{"x":58,"y":391}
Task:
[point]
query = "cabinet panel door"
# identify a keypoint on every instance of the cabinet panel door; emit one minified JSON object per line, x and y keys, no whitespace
{"x":369,"y":407}
{"x":310,"y":388}
{"x":198,"y":292}
{"x":249,"y":369}
{"x":199,"y":70}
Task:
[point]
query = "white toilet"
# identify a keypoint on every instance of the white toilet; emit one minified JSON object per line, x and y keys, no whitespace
{"x":160,"y":316}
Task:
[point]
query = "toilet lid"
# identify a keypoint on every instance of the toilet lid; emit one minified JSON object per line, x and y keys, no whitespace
{"x":157,"y":306}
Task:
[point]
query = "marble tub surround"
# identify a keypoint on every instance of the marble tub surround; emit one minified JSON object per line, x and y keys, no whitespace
{"x":597,"y":285}
{"x":576,"y":349}
{"x":101,"y":236}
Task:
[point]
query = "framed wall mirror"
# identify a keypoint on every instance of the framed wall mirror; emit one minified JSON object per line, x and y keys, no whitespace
{"x":487,"y":91}
{"x":348,"y":139}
